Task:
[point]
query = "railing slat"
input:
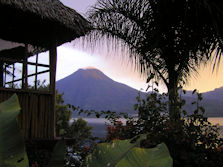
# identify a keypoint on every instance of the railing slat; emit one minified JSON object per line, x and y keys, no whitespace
{"x":34,"y":118}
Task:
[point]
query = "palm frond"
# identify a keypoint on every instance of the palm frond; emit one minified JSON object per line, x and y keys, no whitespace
{"x":161,"y":35}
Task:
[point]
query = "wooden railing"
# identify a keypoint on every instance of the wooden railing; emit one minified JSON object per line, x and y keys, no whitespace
{"x":36,"y":112}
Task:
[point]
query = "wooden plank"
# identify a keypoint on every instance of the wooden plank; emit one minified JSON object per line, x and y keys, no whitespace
{"x":39,"y":113}
{"x":36,"y":113}
{"x":36,"y":70}
{"x":24,"y":69}
{"x":28,"y":76}
{"x":1,"y":74}
{"x":53,"y":61}
{"x":13,"y":75}
{"x":48,"y":118}
{"x":25,"y":91}
{"x":8,"y":60}
{"x":40,"y":126}
{"x":4,"y":76}
{"x":44,"y":114}
{"x":36,"y":119}
{"x":33,"y":118}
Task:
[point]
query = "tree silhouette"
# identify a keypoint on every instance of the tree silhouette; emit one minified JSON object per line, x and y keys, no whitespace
{"x":167,"y":38}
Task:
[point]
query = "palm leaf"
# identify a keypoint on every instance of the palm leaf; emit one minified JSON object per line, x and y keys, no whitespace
{"x":12,"y":147}
{"x":161,"y":35}
{"x":120,"y":153}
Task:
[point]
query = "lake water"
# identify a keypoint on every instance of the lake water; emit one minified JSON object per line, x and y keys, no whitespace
{"x":99,"y":127}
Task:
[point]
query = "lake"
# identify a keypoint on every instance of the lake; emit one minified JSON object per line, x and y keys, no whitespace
{"x":99,"y":127}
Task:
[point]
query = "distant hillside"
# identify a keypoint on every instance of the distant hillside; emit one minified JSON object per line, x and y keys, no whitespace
{"x":212,"y":102}
{"x":92,"y":89}
{"x":216,"y":94}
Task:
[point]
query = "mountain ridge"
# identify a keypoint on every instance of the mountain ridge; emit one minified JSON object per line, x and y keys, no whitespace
{"x":91,"y":89}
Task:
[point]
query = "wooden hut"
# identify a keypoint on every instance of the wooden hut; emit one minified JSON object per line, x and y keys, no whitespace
{"x":34,"y":26}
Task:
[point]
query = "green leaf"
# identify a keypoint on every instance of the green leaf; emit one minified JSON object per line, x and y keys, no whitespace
{"x":194,"y":102}
{"x":62,"y":132}
{"x":121,"y":153}
{"x":97,"y":115}
{"x":12,"y":146}
{"x":58,"y":154}
{"x":183,"y":102}
{"x":200,"y":96}
{"x":150,"y":78}
{"x":202,"y":109}
{"x":157,"y":84}
{"x":194,"y":91}
{"x":136,"y":106}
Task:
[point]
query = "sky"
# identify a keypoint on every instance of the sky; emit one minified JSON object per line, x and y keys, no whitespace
{"x":119,"y":67}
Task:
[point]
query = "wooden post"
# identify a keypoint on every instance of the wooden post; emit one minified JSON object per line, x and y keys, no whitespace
{"x":24,"y":69}
{"x":13,"y":75}
{"x":53,"y":62}
{"x":1,"y":74}
{"x":5,"y":70}
{"x":36,"y":71}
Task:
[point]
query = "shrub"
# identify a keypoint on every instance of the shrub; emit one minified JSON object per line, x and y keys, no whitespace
{"x":78,"y":133}
{"x":192,"y":141}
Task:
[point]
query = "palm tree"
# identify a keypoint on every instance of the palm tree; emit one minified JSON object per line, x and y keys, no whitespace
{"x":167,"y":38}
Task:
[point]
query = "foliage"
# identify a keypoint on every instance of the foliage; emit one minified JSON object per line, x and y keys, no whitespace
{"x":119,"y":153}
{"x":40,"y":85}
{"x":81,"y":144}
{"x":77,"y":131}
{"x":159,"y":35}
{"x":46,"y":153}
{"x":63,"y":116}
{"x":192,"y":141}
{"x":58,"y":154}
{"x":80,"y":131}
{"x":12,"y":146}
{"x":39,"y":152}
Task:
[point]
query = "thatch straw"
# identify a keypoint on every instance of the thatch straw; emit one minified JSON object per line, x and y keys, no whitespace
{"x":53,"y":11}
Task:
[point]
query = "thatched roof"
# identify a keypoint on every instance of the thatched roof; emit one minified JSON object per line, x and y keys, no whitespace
{"x":40,"y":22}
{"x":16,"y":53}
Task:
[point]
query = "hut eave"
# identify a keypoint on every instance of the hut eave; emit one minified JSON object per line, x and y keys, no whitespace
{"x":40,"y":22}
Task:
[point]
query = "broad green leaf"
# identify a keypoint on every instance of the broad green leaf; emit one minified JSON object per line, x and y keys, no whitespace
{"x":122,"y":153}
{"x":139,"y":157}
{"x":12,"y":146}
{"x":57,"y":159}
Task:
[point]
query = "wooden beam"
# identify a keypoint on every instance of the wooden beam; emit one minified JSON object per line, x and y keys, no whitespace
{"x":39,"y":92}
{"x":1,"y":74}
{"x":9,"y":60}
{"x":16,"y":80}
{"x":13,"y":75}
{"x":36,"y":70}
{"x":53,"y":62}
{"x":24,"y":69}
{"x":5,"y":70}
